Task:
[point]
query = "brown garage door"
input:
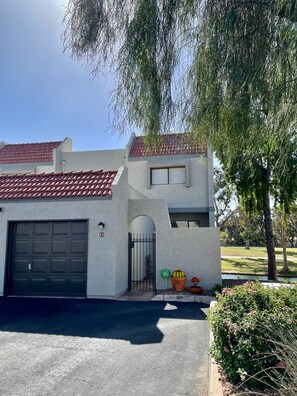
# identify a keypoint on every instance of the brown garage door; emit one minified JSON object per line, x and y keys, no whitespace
{"x":47,"y":258}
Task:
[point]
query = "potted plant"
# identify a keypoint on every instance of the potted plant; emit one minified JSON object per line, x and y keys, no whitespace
{"x":178,"y":280}
{"x":195,"y":289}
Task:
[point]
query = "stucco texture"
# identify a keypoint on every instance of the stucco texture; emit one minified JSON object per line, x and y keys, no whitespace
{"x":194,"y":250}
{"x":179,"y":195}
{"x":106,"y":255}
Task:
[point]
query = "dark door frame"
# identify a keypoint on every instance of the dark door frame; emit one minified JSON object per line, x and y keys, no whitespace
{"x":9,"y":251}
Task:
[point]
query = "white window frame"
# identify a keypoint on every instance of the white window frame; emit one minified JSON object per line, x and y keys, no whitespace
{"x":171,"y":175}
{"x":163,"y":165}
{"x":168,"y":180}
{"x":185,"y":223}
{"x":159,"y":176}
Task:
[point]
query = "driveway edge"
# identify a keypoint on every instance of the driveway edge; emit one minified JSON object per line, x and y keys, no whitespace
{"x":215,"y":387}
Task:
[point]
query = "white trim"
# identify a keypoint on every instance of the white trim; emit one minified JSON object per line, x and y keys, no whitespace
{"x":166,"y":165}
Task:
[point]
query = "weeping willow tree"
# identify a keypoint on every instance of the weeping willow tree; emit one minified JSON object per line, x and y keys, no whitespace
{"x":225,"y":70}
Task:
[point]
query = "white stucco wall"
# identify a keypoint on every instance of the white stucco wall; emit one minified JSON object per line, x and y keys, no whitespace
{"x":91,"y":160}
{"x":142,"y":224}
{"x":210,"y":177}
{"x":45,"y":169}
{"x":66,"y":145}
{"x":176,"y":195}
{"x":194,"y":250}
{"x":120,"y":191}
{"x":156,"y":209}
{"x":27,"y":168}
{"x":107,"y":256}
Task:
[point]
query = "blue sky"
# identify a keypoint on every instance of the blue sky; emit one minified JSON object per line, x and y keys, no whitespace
{"x":44,"y":94}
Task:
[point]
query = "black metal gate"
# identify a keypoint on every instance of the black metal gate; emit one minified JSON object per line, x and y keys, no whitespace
{"x":142,"y":261}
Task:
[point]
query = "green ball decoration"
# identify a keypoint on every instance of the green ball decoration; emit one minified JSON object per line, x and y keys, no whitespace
{"x":165,"y":273}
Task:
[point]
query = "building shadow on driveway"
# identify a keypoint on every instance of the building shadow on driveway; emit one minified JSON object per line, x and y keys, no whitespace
{"x":126,"y":320}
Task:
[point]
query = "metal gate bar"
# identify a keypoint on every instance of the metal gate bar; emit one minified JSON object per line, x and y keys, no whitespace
{"x":142,"y":262}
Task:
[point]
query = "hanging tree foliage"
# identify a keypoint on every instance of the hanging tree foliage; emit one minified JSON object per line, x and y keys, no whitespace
{"x":225,"y":70}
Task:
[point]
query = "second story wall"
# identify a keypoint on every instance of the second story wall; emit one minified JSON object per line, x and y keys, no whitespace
{"x":187,"y":179}
{"x":26,"y":168}
{"x":87,"y":160}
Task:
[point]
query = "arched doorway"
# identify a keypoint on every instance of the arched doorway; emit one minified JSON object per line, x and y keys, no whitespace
{"x":142,"y":254}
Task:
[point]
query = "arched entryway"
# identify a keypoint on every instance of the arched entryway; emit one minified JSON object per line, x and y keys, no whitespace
{"x":142,"y":254}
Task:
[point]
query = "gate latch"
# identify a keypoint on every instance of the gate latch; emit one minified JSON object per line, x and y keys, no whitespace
{"x":30,"y":267}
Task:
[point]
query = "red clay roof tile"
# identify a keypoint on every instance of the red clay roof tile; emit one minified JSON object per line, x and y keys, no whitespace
{"x":57,"y":185}
{"x":172,"y":144}
{"x":28,"y":152}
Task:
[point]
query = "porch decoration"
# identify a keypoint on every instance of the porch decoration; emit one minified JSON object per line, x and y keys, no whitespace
{"x":195,"y":289}
{"x":165,"y":274}
{"x":178,"y":280}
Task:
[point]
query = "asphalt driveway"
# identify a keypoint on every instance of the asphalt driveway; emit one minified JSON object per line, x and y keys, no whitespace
{"x":104,"y":348}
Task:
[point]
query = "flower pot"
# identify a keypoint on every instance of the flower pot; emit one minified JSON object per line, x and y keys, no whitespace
{"x":178,"y":284}
{"x":195,"y":290}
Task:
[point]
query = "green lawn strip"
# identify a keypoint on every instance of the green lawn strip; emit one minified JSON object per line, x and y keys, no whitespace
{"x":241,"y":251}
{"x":253,"y":266}
{"x":257,"y":251}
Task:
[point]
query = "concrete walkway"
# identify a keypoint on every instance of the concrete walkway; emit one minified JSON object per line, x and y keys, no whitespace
{"x":168,"y":296}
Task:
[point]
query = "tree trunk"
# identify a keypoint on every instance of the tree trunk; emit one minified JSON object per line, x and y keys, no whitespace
{"x":272,"y":274}
{"x":247,"y":244}
{"x":285,"y":261}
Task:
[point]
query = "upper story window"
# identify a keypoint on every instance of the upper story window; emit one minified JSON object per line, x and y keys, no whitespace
{"x":169,"y":175}
{"x":185,"y":223}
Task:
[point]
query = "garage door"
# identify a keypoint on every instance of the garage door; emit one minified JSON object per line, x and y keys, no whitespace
{"x":48,"y":258}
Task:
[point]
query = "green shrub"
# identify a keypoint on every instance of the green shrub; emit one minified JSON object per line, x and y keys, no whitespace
{"x":217,"y":288}
{"x":284,"y":375}
{"x":240,"y":323}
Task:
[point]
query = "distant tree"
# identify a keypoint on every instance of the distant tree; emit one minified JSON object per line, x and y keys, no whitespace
{"x":225,"y":70}
{"x":280,"y":225}
{"x":224,"y":200}
{"x":241,"y":228}
{"x":285,"y":226}
{"x":224,"y":237}
{"x":292,"y":227}
{"x":231,"y":226}
{"x":251,"y":228}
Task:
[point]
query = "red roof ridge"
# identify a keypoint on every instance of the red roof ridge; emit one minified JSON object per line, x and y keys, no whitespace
{"x":169,"y":144}
{"x":164,"y":135}
{"x":96,"y":171}
{"x":29,"y":143}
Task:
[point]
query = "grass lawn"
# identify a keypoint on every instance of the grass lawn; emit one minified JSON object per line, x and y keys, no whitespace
{"x":242,"y":261}
{"x":256,"y":251}
{"x":253,"y":266}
